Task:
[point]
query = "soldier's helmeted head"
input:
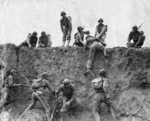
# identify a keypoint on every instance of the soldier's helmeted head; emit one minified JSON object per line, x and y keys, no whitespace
{"x":66,"y":82}
{"x":34,"y":33}
{"x":43,"y":33}
{"x":100,"y":20}
{"x":134,"y":28}
{"x":63,"y":14}
{"x":102,"y":73}
{"x":80,"y":28}
{"x":44,"y":75}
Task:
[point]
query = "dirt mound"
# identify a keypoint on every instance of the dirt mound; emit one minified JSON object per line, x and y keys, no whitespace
{"x":128,"y":73}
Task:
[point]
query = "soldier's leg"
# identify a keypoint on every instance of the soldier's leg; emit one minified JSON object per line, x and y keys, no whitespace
{"x":96,"y":106}
{"x":91,"y":55}
{"x":45,"y":104}
{"x":68,"y":37}
{"x":64,"y":108}
{"x":4,"y":98}
{"x":141,"y":41}
{"x":64,"y":36}
{"x":33,"y":101}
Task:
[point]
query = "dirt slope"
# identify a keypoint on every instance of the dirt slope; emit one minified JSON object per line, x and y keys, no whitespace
{"x":128,"y":73}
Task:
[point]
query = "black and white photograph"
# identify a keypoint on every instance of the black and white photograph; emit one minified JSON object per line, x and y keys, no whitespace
{"x":74,"y":60}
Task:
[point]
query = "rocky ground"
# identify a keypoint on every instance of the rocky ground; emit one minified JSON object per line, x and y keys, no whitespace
{"x":128,"y":73}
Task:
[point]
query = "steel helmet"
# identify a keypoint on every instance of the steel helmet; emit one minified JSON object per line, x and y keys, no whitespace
{"x":66,"y":82}
{"x":63,"y":13}
{"x":102,"y":73}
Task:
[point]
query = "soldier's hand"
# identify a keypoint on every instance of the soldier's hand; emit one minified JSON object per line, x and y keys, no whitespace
{"x":68,"y":103}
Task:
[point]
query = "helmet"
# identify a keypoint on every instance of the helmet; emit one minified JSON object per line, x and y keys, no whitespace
{"x":44,"y":74}
{"x":43,"y":33}
{"x":34,"y":33}
{"x":102,"y":72}
{"x":66,"y":82}
{"x":79,"y":28}
{"x":13,"y":71}
{"x":135,"y":28}
{"x":63,"y":13}
{"x":100,"y":20}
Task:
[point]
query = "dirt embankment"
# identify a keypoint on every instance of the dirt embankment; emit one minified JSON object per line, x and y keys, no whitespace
{"x":128,"y":73}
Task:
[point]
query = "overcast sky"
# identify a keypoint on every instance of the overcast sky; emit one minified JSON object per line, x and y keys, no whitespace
{"x":20,"y":17}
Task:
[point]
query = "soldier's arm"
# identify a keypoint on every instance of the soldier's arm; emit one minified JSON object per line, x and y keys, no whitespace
{"x":86,"y":32}
{"x":129,"y":37}
{"x":28,"y":40}
{"x":103,"y":30}
{"x":105,"y":86}
{"x":96,"y":31}
{"x":10,"y":80}
{"x":73,"y":95}
{"x":70,"y":25}
{"x":61,"y":26}
{"x":49,"y":86}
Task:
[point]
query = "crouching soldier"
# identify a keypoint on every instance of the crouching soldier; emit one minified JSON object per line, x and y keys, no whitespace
{"x":79,"y":37}
{"x":7,"y":85}
{"x":39,"y":91}
{"x":137,"y":37}
{"x":100,"y":85}
{"x":69,"y":96}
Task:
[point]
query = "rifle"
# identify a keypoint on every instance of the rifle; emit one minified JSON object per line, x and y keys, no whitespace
{"x":140,"y":26}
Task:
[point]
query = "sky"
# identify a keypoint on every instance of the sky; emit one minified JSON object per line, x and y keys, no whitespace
{"x":20,"y":17}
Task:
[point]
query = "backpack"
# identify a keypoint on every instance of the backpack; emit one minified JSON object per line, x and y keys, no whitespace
{"x":97,"y":83}
{"x":36,"y":83}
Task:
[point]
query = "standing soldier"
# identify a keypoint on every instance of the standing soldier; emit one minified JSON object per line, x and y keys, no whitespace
{"x":102,"y":93}
{"x":39,"y":91}
{"x":137,"y":37}
{"x":79,"y":37}
{"x":69,"y":96}
{"x":7,"y":85}
{"x":66,"y":28}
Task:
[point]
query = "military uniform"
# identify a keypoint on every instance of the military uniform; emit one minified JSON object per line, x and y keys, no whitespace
{"x":102,"y":93}
{"x":7,"y":88}
{"x":39,"y":86}
{"x":68,"y":96}
{"x":137,"y":37}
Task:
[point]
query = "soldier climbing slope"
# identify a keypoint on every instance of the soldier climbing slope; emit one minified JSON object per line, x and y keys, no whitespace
{"x":66,"y":28}
{"x":137,"y":37}
{"x":7,"y":85}
{"x":79,"y":37}
{"x":39,"y":91}
{"x":96,"y":43}
{"x":102,"y":93}
{"x":69,"y":96}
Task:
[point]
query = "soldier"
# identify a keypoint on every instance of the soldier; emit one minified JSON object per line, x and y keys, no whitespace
{"x":66,"y":28}
{"x":69,"y":96}
{"x":137,"y":37}
{"x":79,"y":37}
{"x":94,"y":46}
{"x":49,"y":40}
{"x":7,"y":85}
{"x":43,"y":40}
{"x":26,"y":42}
{"x":33,"y":40}
{"x":39,"y":91}
{"x":102,"y":93}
